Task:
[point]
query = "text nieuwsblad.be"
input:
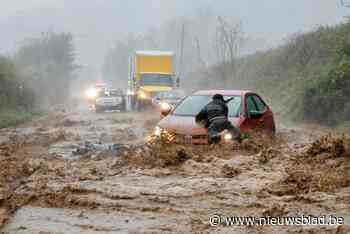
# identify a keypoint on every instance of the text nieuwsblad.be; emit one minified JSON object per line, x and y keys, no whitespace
{"x":275,"y":221}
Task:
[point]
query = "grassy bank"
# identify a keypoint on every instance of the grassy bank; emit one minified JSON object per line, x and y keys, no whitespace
{"x":12,"y":118}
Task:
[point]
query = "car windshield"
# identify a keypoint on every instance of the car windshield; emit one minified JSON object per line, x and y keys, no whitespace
{"x":114,"y":93}
{"x":157,"y":79}
{"x":192,"y":105}
{"x":109,"y":93}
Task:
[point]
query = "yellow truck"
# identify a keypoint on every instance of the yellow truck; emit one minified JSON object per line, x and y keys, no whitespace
{"x":150,"y":72}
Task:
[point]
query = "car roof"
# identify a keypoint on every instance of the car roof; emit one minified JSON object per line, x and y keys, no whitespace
{"x":225,"y":92}
{"x":173,"y":91}
{"x":154,"y":53}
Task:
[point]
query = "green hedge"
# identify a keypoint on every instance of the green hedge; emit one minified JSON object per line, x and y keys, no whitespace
{"x":307,"y":78}
{"x":327,"y":100}
{"x":11,"y":118}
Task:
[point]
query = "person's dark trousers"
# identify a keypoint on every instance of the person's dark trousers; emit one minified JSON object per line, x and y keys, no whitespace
{"x":217,"y":126}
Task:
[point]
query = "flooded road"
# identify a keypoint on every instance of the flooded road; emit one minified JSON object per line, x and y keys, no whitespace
{"x":81,"y":172}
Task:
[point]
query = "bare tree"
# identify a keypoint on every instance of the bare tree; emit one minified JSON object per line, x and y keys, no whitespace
{"x":51,"y":59}
{"x":227,"y":44}
{"x":345,"y":3}
{"x":200,"y":59}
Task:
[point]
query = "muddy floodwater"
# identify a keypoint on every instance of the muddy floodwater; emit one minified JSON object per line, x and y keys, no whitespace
{"x":75,"y":171}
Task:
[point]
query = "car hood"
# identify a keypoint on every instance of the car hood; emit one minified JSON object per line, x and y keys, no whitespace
{"x":186,"y":125}
{"x":113,"y":99}
{"x":109,"y":98}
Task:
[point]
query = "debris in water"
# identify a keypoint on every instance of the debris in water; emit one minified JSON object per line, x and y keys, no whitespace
{"x":328,"y":144}
{"x":229,"y":171}
{"x":90,"y":149}
{"x":324,"y":167}
{"x":267,"y":154}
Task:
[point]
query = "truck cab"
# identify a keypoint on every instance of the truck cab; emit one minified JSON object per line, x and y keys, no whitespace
{"x":151,"y":72}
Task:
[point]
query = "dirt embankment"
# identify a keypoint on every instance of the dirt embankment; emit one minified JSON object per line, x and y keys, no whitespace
{"x":322,"y":166}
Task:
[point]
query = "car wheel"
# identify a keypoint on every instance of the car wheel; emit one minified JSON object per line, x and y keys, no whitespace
{"x":123,"y":107}
{"x":132,"y":103}
{"x":139,"y":106}
{"x":273,"y":133}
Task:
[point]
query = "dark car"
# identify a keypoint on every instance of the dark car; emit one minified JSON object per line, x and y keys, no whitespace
{"x":247,"y":111}
{"x":166,"y":98}
{"x":110,"y":99}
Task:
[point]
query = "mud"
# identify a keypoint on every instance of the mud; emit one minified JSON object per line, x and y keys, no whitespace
{"x":322,"y":166}
{"x":75,"y":171}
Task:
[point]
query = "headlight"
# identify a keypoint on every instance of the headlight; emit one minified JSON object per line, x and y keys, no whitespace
{"x":157,"y":131}
{"x":143,"y":95}
{"x":228,"y":137}
{"x":91,"y":93}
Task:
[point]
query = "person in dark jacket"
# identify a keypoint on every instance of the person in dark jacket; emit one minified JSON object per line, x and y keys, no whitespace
{"x":214,"y":116}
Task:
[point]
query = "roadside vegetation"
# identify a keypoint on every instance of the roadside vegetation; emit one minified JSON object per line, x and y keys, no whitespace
{"x":16,"y":98}
{"x":36,"y":77}
{"x":308,"y":78}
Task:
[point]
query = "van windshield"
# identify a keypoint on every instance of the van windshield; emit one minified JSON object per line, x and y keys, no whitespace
{"x":157,"y":79}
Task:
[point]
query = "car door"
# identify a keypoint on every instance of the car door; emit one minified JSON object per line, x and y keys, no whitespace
{"x":250,"y":122}
{"x":266,"y":121}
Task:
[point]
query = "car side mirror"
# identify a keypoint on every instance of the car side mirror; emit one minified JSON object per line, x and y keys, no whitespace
{"x":177,"y":82}
{"x":255,"y":114}
{"x":165,"y":109}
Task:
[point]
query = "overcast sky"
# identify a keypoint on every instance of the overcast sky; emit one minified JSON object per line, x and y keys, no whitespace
{"x":9,"y":7}
{"x":102,"y":21}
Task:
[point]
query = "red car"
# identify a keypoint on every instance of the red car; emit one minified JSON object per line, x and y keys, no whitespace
{"x":247,"y":111}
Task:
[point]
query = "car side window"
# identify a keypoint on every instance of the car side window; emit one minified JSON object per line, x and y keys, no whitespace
{"x":251,"y":104}
{"x":260,"y":104}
